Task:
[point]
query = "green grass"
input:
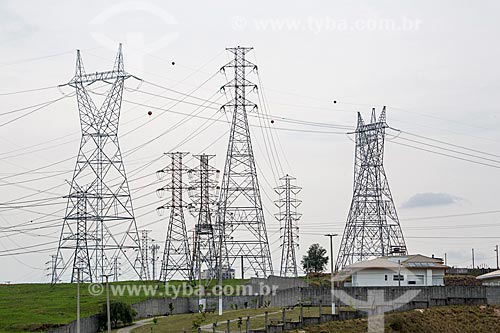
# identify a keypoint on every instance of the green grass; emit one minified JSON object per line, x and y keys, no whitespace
{"x":184,"y":322}
{"x":449,"y":319}
{"x":35,"y":307}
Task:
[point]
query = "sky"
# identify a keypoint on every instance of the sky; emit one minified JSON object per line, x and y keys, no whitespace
{"x":433,"y":64}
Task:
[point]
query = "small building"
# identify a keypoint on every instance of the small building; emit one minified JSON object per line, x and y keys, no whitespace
{"x":227,"y":273}
{"x":490,"y":279}
{"x":390,"y":271}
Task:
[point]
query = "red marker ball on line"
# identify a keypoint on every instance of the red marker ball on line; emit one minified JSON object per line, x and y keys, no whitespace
{"x":150,"y":113}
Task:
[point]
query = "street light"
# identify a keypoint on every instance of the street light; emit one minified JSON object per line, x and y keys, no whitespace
{"x":78,"y":300}
{"x":108,"y":310}
{"x":331,"y":268}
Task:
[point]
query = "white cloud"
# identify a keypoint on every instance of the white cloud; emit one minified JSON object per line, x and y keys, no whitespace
{"x":431,"y":199}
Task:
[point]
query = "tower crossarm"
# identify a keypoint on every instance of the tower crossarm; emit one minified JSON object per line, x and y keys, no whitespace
{"x":98,"y":76}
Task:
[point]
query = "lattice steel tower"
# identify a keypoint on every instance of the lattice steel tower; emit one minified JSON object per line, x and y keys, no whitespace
{"x":241,"y":219}
{"x":289,"y":218}
{"x":203,"y":190}
{"x":108,"y":221}
{"x":176,"y":255}
{"x":372,"y":228}
{"x":143,"y":255}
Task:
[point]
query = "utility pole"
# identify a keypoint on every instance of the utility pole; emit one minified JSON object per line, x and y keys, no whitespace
{"x":372,"y":228}
{"x":78,"y":301}
{"x":108,"y":306}
{"x":220,"y":263}
{"x":198,"y":264}
{"x":496,"y":250}
{"x":399,"y":273}
{"x":99,"y":184}
{"x":288,"y":217}
{"x":332,"y":280}
{"x":446,"y":259}
{"x":242,"y":270}
{"x":473,"y":264}
{"x":176,"y":253}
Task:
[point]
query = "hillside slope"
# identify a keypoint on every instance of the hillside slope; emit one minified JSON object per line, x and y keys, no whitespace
{"x":449,"y":319}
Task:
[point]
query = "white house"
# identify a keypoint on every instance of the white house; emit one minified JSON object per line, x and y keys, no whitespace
{"x":490,"y":279}
{"x":406,"y":270}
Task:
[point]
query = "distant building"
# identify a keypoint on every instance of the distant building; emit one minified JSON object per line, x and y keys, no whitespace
{"x":227,"y":273}
{"x":490,"y":279}
{"x":406,"y":270}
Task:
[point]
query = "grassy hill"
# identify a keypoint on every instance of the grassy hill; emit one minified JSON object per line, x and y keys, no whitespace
{"x":449,"y":319}
{"x":36,"y":307}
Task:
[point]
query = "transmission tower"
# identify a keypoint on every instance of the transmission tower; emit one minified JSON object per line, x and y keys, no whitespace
{"x":176,"y":255}
{"x":241,"y":219}
{"x":203,"y":192}
{"x":81,"y":258}
{"x":372,"y":228}
{"x":51,"y":266}
{"x":288,"y":218}
{"x":154,"y":259}
{"x":116,"y":269}
{"x":109,"y":216}
{"x":143,"y":255}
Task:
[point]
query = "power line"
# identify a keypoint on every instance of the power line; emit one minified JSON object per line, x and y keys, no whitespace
{"x":447,"y":155}
{"x":26,"y":91}
{"x":40,"y":107}
{"x":451,"y":150}
{"x":34,"y":59}
{"x":450,"y":144}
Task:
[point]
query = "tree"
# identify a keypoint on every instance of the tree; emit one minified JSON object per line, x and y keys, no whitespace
{"x":171,"y":308}
{"x":120,"y":313}
{"x":315,"y":260}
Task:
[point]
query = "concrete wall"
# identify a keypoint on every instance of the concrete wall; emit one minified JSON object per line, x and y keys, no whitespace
{"x":492,"y":295}
{"x":428,"y":297}
{"x":277,"y":281}
{"x":160,"y":306}
{"x":87,"y":325}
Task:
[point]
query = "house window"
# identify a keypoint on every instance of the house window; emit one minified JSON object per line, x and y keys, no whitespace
{"x":412,"y":282}
{"x":398,"y":277}
{"x":386,"y":277}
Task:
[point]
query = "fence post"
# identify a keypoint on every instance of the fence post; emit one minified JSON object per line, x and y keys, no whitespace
{"x":320,"y":303}
{"x":199,"y":329}
{"x":214,"y":325}
{"x":266,"y":315}
{"x":248,"y":325}
{"x":228,"y":326}
{"x":301,"y":312}
{"x":284,"y":316}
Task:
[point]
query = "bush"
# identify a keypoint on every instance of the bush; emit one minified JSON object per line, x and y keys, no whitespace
{"x":397,"y":323}
{"x":121,"y":313}
{"x":461,"y":280}
{"x":171,"y":308}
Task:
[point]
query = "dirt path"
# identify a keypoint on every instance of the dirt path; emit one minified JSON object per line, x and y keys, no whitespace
{"x":139,"y":323}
